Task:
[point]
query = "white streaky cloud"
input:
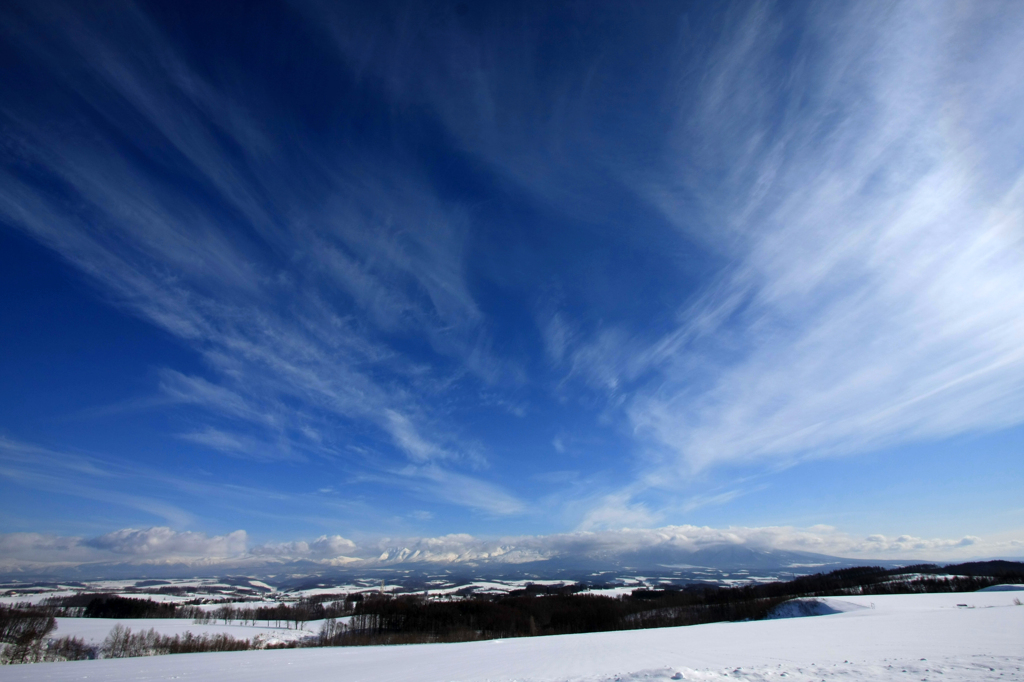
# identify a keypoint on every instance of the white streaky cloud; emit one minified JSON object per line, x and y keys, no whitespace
{"x":63,"y":473}
{"x":243,"y":446}
{"x":862,"y":199}
{"x":90,"y":477}
{"x":93,"y":478}
{"x":714,"y":499}
{"x":405,"y":435}
{"x":371,"y":253}
{"x":198,"y":391}
{"x":863,"y":193}
{"x":435,"y":482}
{"x":557,"y":336}
{"x":878,"y":247}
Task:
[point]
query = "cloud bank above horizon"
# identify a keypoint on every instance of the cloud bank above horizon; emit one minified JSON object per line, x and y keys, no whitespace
{"x":398,"y":270}
{"x":30,"y":553}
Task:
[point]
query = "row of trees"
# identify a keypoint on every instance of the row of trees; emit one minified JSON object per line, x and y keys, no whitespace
{"x":114,"y":606}
{"x":123,"y":643}
{"x":25,"y":638}
{"x":404,"y":619}
{"x":289,"y":615}
{"x":859,"y":580}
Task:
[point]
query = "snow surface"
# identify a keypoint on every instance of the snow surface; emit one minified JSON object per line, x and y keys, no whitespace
{"x":613,"y":591}
{"x":161,"y":598}
{"x":33,"y":597}
{"x":967,"y":637}
{"x":95,"y":630}
{"x":818,"y":606}
{"x":1003,"y":588}
{"x":339,"y":590}
{"x":136,"y":589}
{"x":262,"y":604}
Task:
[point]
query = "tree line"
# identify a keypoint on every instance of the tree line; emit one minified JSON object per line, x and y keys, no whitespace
{"x":25,"y":638}
{"x":123,"y":643}
{"x":386,"y":619}
{"x":115,"y":606}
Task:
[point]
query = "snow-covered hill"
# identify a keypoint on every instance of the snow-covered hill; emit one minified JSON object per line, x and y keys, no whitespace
{"x":950,"y":637}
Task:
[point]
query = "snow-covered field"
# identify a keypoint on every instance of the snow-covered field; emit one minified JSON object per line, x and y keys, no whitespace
{"x":95,"y":630}
{"x":33,"y":598}
{"x":244,"y":592}
{"x":952,"y":637}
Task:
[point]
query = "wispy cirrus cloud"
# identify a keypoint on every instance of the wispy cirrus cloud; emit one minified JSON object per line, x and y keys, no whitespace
{"x":878,"y":263}
{"x":149,"y":493}
{"x":728,"y":238}
{"x":179,"y":499}
{"x":432,"y":481}
{"x":872,"y":220}
{"x":847,"y":167}
{"x":64,"y":474}
{"x":336,"y":295}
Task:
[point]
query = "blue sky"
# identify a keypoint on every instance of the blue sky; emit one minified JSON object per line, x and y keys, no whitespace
{"x":405,"y":270}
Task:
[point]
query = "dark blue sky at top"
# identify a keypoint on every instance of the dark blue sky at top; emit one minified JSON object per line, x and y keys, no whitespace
{"x":428,"y":268}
